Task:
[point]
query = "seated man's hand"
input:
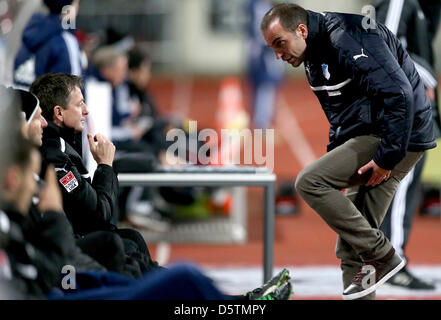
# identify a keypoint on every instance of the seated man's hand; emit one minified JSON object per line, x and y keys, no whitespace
{"x":102,"y":149}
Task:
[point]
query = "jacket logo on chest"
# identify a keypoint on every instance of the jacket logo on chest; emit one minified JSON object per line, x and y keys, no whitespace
{"x":69,"y":181}
{"x":325,"y":70}
{"x":360,"y":55}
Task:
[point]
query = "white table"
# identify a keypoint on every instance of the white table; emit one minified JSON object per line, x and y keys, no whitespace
{"x":218,"y":177}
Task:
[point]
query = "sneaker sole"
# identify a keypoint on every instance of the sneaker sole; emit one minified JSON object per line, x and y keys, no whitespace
{"x":375,"y":286}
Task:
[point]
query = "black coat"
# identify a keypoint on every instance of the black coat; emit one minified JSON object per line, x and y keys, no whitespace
{"x":367,"y":84}
{"x":36,"y":266}
{"x":52,"y":233}
{"x":89,"y":205}
{"x":38,"y":247}
{"x":415,"y":24}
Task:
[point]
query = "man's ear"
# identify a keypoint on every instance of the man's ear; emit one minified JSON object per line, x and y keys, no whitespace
{"x":302,"y":31}
{"x":58,"y":114}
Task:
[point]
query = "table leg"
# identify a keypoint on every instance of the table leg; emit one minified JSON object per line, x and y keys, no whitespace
{"x":268,"y":231}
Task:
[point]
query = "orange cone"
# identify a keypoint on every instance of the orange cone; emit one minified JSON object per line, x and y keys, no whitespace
{"x":231,"y":112}
{"x":231,"y":115}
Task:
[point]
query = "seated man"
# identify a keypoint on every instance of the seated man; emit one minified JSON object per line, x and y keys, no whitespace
{"x":146,"y":113}
{"x":110,"y":66}
{"x":29,"y":278}
{"x":48,"y":228}
{"x":89,"y":205}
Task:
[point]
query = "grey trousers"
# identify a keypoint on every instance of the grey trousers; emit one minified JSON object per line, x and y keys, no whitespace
{"x":356,"y":216}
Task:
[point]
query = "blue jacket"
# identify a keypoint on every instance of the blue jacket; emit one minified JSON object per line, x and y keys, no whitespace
{"x":367,"y":84}
{"x":46,"y":47}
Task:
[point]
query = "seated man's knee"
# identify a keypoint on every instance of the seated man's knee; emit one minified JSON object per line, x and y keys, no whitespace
{"x":135,"y":237}
{"x":114,"y":242}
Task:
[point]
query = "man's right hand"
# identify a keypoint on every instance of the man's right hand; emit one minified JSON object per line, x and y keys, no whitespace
{"x":102,"y":149}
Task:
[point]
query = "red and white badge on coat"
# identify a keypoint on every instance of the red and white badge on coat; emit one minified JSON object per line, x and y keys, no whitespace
{"x":69,"y":181}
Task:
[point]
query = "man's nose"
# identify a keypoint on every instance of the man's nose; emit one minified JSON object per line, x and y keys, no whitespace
{"x":43,"y":122}
{"x":85,"y":111}
{"x":278,"y":55}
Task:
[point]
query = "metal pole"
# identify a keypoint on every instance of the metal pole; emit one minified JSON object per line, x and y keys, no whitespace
{"x":268,"y":231}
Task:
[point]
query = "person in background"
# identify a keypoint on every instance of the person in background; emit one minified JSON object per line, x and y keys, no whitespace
{"x":139,"y":207}
{"x":111,"y":65}
{"x":145,"y":111}
{"x":49,"y":44}
{"x":264,"y":73}
{"x":411,"y":26}
{"x":134,"y":131}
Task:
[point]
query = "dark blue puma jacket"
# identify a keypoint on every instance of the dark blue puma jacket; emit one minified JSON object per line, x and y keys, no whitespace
{"x":367,"y":84}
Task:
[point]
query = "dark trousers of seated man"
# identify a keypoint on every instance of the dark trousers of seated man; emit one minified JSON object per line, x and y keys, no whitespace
{"x":107,"y":248}
{"x":356,"y":216}
{"x":179,"y":282}
{"x":138,"y":256}
{"x":123,"y":251}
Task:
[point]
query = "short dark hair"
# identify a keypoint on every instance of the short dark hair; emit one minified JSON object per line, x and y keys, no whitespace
{"x":54,"y":89}
{"x":137,"y":56}
{"x":290,"y":16}
{"x":56,"y":6}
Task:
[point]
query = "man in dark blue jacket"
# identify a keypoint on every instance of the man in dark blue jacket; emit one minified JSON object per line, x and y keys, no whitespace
{"x":49,"y":44}
{"x":380,"y":126}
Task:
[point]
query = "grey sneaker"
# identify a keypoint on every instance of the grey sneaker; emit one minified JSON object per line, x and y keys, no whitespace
{"x":269,"y":287}
{"x":407,"y":280}
{"x":379,"y":271}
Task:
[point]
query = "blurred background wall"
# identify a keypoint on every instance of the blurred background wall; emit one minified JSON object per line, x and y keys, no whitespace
{"x":194,"y":36}
{"x":185,"y":36}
